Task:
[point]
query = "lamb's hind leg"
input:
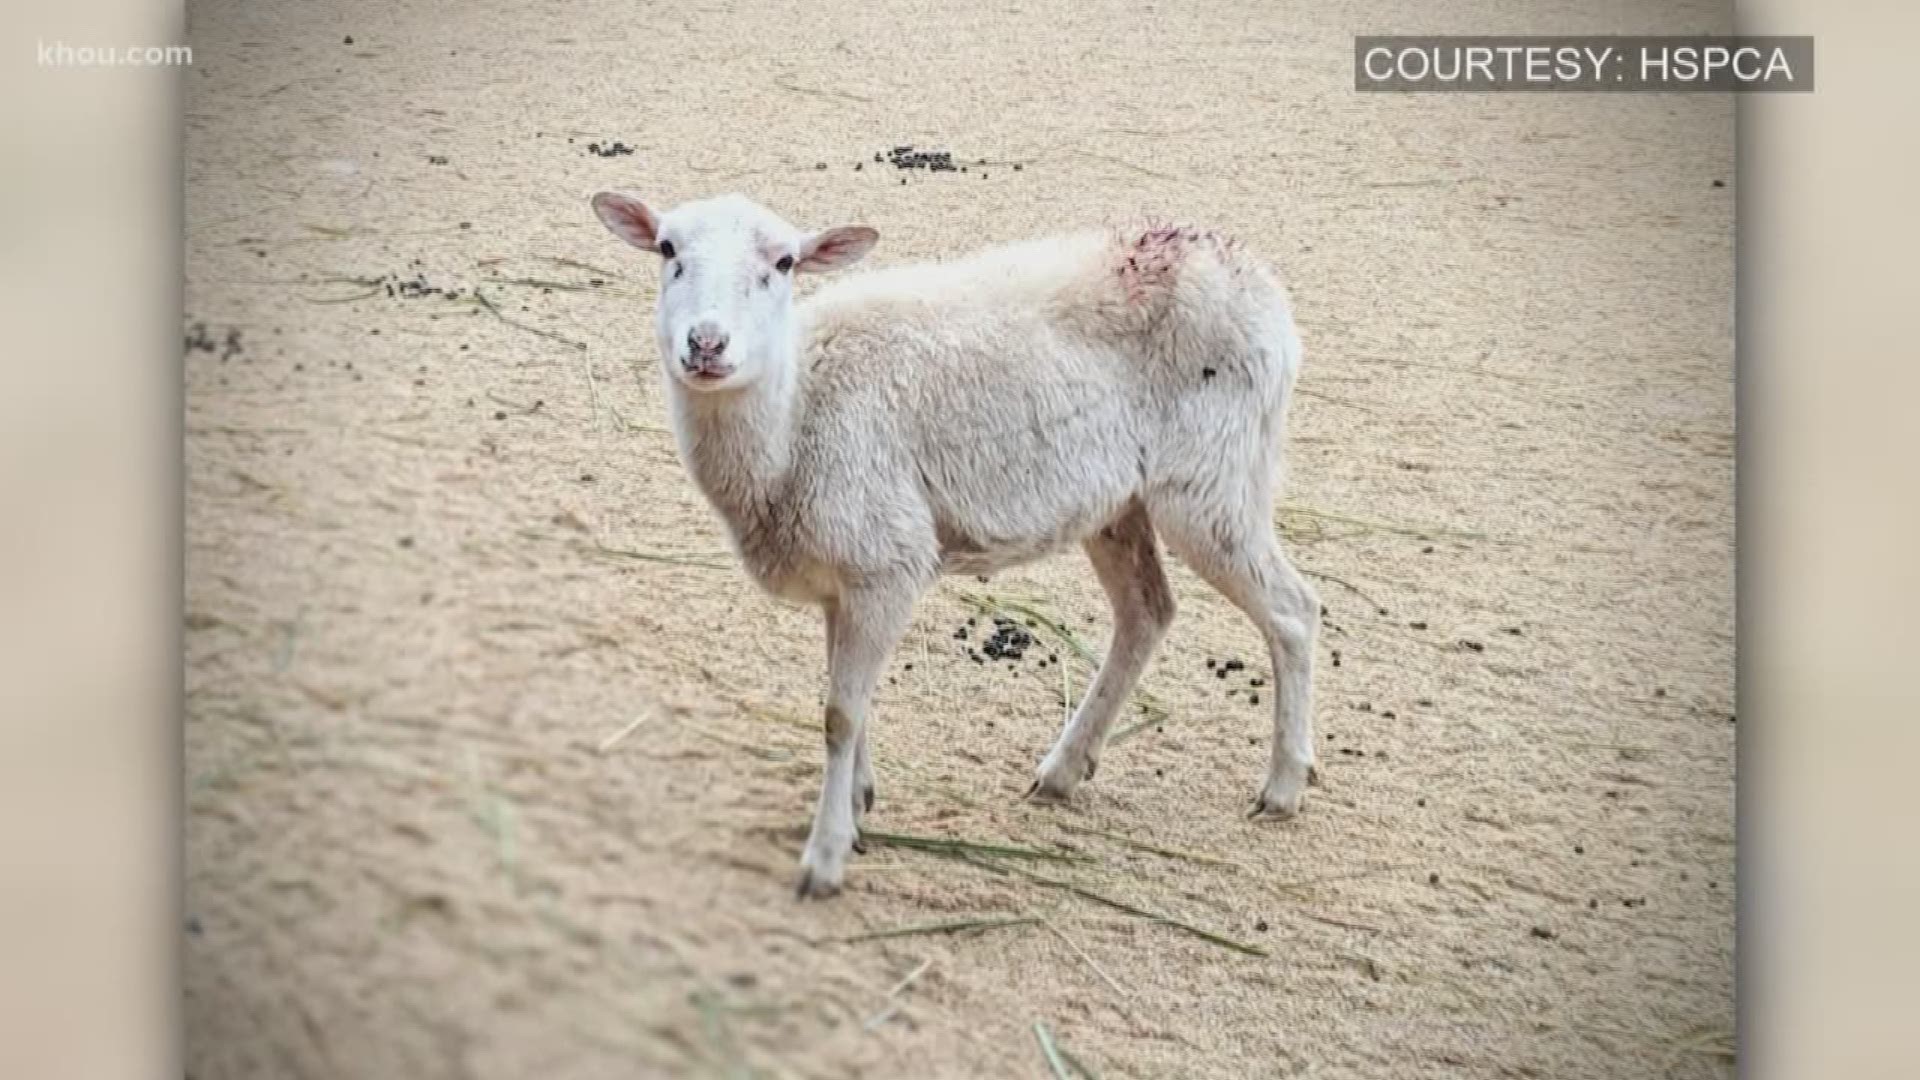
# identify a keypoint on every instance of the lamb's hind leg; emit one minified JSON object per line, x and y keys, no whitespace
{"x":1128,"y":566}
{"x":864,"y":626}
{"x":1231,"y":544}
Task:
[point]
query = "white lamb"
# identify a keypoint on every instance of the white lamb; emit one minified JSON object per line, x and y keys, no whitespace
{"x":964,"y":417}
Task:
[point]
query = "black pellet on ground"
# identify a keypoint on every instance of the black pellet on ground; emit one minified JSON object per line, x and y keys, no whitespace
{"x":1543,"y":933}
{"x":1473,"y":645}
{"x":1235,"y":665}
{"x":1009,"y":641}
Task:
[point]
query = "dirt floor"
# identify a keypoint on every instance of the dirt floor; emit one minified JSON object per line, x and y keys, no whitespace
{"x":498,"y":768}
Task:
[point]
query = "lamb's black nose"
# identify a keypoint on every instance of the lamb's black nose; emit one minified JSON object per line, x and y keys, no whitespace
{"x":706,"y":341}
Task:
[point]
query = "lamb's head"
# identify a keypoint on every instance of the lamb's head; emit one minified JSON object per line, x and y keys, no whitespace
{"x":726,"y":285}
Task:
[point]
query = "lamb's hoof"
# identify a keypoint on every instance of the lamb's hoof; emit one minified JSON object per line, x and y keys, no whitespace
{"x":1049,"y":792}
{"x":1275,"y":804}
{"x":859,"y":844}
{"x":1313,"y":776}
{"x":822,"y":867}
{"x":1058,"y":775}
{"x":1284,"y":794}
{"x":816,"y":886}
{"x":1044,"y":794}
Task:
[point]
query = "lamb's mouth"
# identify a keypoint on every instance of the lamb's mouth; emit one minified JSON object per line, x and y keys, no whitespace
{"x":700,"y":374}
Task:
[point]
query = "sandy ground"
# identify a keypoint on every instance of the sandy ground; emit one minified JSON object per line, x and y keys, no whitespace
{"x":411,"y":850}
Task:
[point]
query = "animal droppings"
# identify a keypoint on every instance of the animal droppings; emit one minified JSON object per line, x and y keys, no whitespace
{"x":1009,"y":642}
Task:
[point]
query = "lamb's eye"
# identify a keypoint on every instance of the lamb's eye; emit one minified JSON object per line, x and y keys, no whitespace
{"x":666,"y":249}
{"x":785,"y":264}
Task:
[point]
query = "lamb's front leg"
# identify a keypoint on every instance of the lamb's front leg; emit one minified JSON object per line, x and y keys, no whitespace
{"x":862,"y":629}
{"x":862,"y":762}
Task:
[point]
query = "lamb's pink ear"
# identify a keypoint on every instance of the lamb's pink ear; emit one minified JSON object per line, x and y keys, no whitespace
{"x":629,"y":219}
{"x":836,"y":248}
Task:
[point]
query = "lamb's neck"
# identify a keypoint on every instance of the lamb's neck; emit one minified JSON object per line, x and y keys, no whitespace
{"x":738,"y":445}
